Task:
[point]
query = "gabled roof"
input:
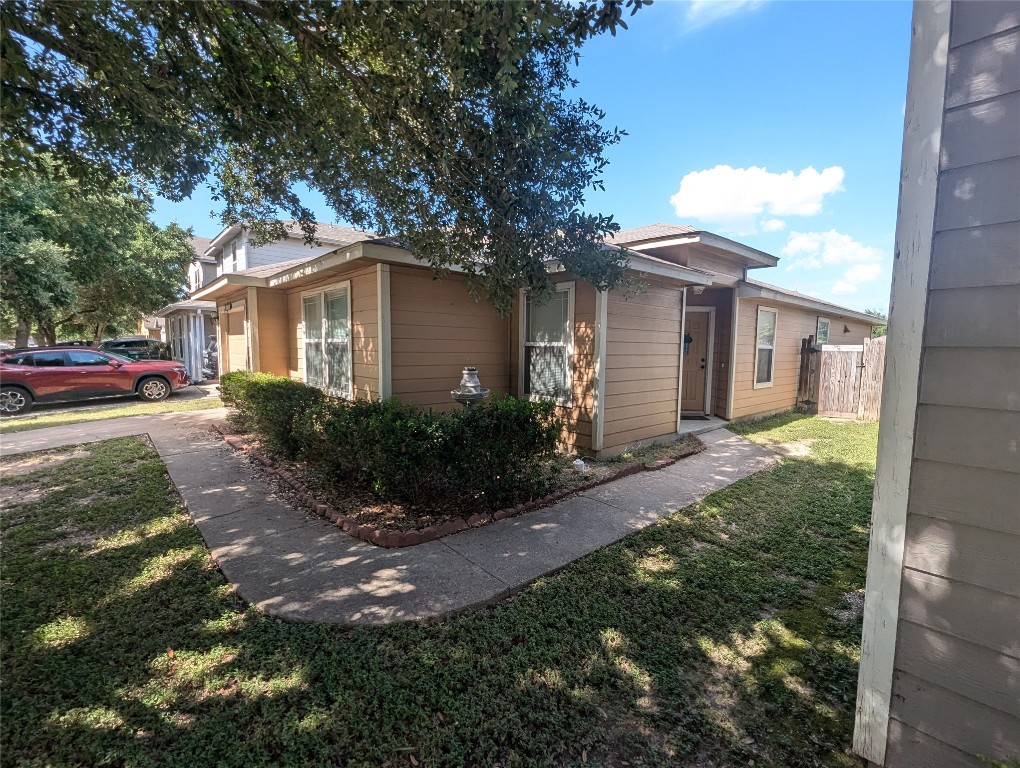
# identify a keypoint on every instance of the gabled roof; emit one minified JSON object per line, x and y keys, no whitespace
{"x":332,"y":233}
{"x":200,"y":245}
{"x":268,"y":270}
{"x":650,"y":232}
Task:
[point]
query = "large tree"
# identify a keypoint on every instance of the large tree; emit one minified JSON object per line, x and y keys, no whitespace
{"x":79,"y":260}
{"x":447,"y":124}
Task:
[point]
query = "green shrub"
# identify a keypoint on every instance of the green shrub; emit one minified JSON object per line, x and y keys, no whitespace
{"x":483,"y":458}
{"x":269,"y":405}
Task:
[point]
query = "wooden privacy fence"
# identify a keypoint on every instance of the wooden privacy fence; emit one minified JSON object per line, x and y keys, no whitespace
{"x":842,"y":380}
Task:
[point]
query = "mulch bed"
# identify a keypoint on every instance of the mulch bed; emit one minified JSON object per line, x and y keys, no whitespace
{"x":388,"y":524}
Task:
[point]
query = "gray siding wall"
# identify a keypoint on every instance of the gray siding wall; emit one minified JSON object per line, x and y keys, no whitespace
{"x":956,"y":685}
{"x":283,"y":250}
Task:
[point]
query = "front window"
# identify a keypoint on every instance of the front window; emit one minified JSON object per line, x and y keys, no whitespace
{"x":822,"y":333}
{"x":327,"y":341}
{"x":764,"y":357}
{"x":548,"y":343}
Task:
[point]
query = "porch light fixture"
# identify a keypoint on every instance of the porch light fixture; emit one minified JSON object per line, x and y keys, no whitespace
{"x":698,"y":290}
{"x":471,"y":392}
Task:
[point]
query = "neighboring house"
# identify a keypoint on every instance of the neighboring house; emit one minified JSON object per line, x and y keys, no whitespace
{"x":188,"y":324}
{"x":940,"y":654}
{"x":365,"y":318}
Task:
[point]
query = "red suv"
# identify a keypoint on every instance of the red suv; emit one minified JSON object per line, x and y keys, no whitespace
{"x":62,"y":374}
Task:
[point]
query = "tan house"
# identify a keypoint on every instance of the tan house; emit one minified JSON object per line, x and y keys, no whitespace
{"x":367,"y":319}
{"x":940,"y":654}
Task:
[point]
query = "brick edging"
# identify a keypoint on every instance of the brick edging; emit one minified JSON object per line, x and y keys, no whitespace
{"x":386,"y":537}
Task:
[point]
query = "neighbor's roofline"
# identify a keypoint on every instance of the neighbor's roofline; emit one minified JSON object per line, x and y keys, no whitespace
{"x":759,"y":258}
{"x":751,"y":289}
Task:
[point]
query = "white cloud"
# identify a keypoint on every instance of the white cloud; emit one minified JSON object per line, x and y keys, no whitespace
{"x":773,"y":225}
{"x":734,"y":198}
{"x":813,"y":249}
{"x":832,"y":248}
{"x":701,"y":13}
{"x":853,"y":277}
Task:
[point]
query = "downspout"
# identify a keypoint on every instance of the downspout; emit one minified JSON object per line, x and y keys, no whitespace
{"x":680,"y":375}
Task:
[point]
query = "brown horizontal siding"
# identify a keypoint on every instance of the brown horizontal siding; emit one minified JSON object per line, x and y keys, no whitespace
{"x":980,"y":616}
{"x":910,"y":748}
{"x":794,"y":324}
{"x":956,"y":687}
{"x":437,"y":329}
{"x":983,"y":497}
{"x":972,"y":378}
{"x":974,"y":437}
{"x":642,"y":355}
{"x":953,"y":719}
{"x":991,"y":257}
{"x":960,"y":666}
{"x":964,"y":553}
{"x":364,"y":326}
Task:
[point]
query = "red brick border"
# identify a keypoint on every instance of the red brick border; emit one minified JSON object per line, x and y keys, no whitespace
{"x":389,"y":538}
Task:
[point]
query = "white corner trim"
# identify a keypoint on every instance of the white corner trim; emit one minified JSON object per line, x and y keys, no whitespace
{"x":733,"y":355}
{"x":922,"y":139}
{"x":384,"y":329}
{"x":251,"y":322}
{"x":680,"y":372}
{"x":598,"y":416}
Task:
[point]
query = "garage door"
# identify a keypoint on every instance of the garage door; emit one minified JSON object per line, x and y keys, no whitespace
{"x":237,"y":346}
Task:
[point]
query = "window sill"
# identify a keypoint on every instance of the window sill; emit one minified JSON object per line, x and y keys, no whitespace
{"x":558,"y":401}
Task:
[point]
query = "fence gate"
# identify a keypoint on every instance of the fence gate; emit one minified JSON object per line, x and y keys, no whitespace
{"x":843,"y":380}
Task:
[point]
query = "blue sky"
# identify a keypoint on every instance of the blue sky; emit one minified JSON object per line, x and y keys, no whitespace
{"x":778,"y":124}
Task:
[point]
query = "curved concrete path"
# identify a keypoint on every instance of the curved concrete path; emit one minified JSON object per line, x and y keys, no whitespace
{"x":302,"y":568}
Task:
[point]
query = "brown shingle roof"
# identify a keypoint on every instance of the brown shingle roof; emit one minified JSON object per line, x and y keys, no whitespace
{"x":650,"y":232}
{"x":332,"y":232}
{"x":200,"y":245}
{"x":268,"y":270}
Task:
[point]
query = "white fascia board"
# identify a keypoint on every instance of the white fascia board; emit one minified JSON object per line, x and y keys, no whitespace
{"x":229,"y":233}
{"x":230,"y":279}
{"x":747,"y":291}
{"x":759,"y":258}
{"x":675,"y":271}
{"x":330,"y":260}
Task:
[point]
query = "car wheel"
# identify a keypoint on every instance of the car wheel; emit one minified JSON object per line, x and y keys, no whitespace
{"x":153,"y":389}
{"x":14,"y":401}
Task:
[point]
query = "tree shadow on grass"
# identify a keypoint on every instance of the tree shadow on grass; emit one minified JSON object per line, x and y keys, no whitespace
{"x":711,"y":638}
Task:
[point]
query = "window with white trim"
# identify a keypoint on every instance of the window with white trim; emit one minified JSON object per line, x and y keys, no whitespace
{"x":548,"y":344}
{"x":822,"y":332}
{"x":326,"y":318}
{"x":765,"y":347}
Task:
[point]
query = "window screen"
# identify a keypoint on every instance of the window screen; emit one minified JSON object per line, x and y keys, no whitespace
{"x":547,"y":347}
{"x":766,"y":346}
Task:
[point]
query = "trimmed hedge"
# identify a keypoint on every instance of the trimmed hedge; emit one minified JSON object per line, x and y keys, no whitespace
{"x":269,"y":405}
{"x":485,"y":458}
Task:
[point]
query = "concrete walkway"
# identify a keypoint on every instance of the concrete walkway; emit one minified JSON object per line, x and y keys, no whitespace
{"x":304,"y":569}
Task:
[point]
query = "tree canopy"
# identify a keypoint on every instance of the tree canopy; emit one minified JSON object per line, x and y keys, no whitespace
{"x":447,"y":124}
{"x":81,"y":260}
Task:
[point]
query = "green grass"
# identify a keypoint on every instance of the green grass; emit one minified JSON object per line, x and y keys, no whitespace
{"x":76,"y":416}
{"x":711,"y":638}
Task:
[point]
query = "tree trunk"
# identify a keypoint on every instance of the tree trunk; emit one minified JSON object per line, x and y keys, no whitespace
{"x":22,"y":334}
{"x":97,"y":334}
{"x":47,"y":334}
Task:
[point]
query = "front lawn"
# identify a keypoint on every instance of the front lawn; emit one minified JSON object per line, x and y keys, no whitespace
{"x":78,"y":414}
{"x":727,"y":635}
